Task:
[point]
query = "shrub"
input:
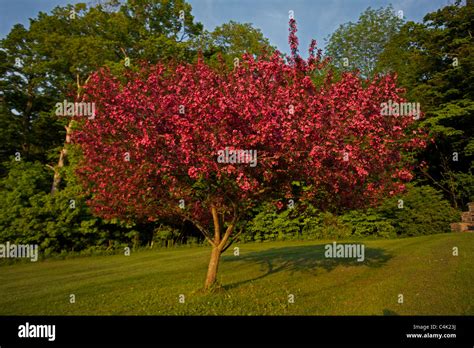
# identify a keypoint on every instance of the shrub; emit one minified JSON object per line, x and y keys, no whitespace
{"x":262,"y":226}
{"x":29,"y":214}
{"x":165,"y":235}
{"x":332,"y":227}
{"x":301,"y":222}
{"x":424,"y":211}
{"x":369,"y":224}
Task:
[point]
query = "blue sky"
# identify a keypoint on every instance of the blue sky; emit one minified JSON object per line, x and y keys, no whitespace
{"x":316,"y":18}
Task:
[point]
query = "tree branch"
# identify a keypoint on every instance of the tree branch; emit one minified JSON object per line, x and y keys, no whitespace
{"x":232,"y":240}
{"x":217,"y":225}
{"x":435,"y":182}
{"x":230,"y":228}
{"x":201,"y":229}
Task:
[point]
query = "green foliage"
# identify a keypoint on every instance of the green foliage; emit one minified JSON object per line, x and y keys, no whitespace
{"x":29,"y":214}
{"x":464,"y":186}
{"x":231,"y":40}
{"x":332,"y":227}
{"x":20,"y":189}
{"x":300,"y":222}
{"x":369,"y":224}
{"x":434,"y":61}
{"x":165,"y":235}
{"x":424,"y":211}
{"x":362,"y":42}
{"x":261,"y":225}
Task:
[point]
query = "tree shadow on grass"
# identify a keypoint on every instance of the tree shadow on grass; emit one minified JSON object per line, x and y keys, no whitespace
{"x":388,"y":312}
{"x":309,"y":258}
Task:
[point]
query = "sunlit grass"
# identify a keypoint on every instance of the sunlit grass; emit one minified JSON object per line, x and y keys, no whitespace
{"x":257,"y":282}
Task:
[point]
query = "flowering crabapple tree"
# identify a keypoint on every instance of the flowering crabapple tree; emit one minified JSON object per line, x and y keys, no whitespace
{"x":152,"y":149}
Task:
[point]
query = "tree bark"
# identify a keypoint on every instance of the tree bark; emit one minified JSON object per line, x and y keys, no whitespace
{"x":27,"y":120}
{"x":211,"y":278}
{"x":62,"y":157}
{"x":63,"y":153}
{"x":219,"y":243}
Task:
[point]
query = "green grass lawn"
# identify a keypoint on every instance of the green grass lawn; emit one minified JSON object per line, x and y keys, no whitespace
{"x":258,"y":282}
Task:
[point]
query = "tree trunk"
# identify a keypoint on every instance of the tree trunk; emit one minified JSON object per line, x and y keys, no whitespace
{"x":219,"y":243}
{"x":213,"y":266}
{"x":27,"y":121}
{"x":63,"y":153}
{"x":62,"y":157}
